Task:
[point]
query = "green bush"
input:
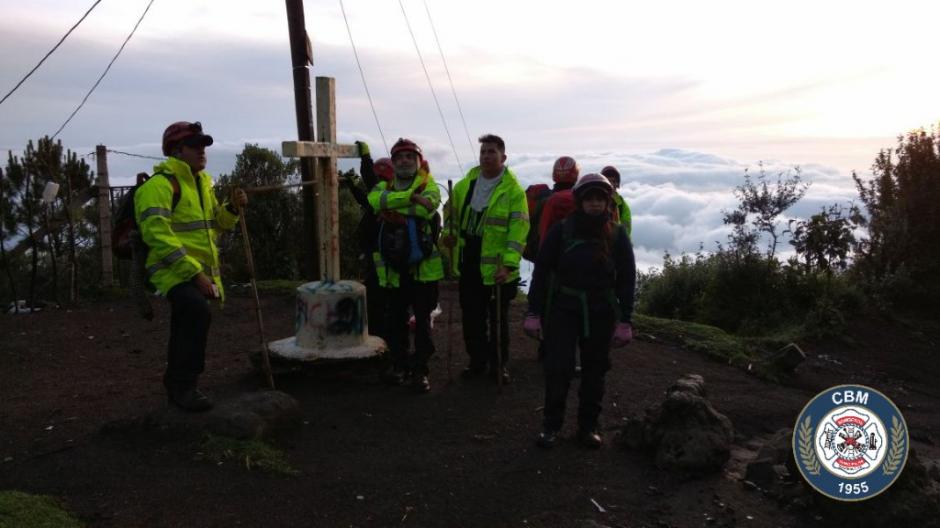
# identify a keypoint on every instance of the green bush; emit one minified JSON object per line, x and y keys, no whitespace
{"x":749,"y":295}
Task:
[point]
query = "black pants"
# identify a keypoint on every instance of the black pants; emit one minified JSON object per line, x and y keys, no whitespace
{"x":376,"y":305}
{"x":563,"y":337}
{"x":478,"y":312}
{"x":189,"y":330}
{"x":421,"y":297}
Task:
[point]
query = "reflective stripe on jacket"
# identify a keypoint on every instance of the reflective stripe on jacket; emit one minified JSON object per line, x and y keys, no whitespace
{"x":505,"y":225}
{"x":384,"y":198}
{"x":181,"y":241}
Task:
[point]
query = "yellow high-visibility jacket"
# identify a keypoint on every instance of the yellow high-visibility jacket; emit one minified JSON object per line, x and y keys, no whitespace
{"x":623,"y":213}
{"x":384,"y":197}
{"x":505,"y":225}
{"x":181,"y":241}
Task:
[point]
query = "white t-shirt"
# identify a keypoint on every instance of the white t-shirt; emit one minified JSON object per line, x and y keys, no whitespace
{"x":483,"y":190}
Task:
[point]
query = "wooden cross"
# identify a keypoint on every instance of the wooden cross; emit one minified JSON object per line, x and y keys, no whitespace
{"x":325,"y":151}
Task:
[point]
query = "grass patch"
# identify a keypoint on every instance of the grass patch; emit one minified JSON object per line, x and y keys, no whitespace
{"x":18,"y":509}
{"x":709,"y":340}
{"x":250,"y":454}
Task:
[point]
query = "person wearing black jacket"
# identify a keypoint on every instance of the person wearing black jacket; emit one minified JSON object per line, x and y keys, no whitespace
{"x":581,"y":298}
{"x":368,"y":231}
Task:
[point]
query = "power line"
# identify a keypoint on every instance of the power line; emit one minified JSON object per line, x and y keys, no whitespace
{"x":131,"y":154}
{"x":61,"y":40}
{"x":363,"y":75}
{"x":135,"y":155}
{"x":446,"y":69}
{"x":430,"y":85}
{"x":116,"y":55}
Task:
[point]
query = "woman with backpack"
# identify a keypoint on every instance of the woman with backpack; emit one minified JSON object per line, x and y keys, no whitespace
{"x":581,"y":298}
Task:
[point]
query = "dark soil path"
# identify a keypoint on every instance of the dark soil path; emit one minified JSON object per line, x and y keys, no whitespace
{"x":372,"y":455}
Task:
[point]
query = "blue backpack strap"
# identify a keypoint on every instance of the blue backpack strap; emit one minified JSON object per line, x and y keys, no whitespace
{"x":414,"y":248}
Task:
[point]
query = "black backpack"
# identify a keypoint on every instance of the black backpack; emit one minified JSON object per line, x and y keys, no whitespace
{"x":125,"y":222}
{"x":403,"y":244}
{"x":127,"y":244}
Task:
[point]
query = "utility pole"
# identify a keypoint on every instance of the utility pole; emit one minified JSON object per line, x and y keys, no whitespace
{"x":104,"y":216}
{"x":301,"y":58}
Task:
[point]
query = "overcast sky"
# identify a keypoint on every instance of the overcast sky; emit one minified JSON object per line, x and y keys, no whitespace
{"x":682,"y":96}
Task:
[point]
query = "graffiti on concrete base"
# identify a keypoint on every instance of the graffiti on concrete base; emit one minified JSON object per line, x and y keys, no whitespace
{"x":345,"y":316}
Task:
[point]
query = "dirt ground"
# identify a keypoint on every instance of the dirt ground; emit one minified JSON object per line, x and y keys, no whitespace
{"x":372,"y":455}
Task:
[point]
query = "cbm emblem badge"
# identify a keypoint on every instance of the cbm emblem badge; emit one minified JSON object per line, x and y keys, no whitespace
{"x":850,"y":442}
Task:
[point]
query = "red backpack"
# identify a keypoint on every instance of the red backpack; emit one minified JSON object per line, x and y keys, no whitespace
{"x":536,"y":195}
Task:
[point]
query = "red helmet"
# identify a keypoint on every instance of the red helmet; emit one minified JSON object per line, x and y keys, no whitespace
{"x":591,"y":181}
{"x":384,"y":169}
{"x":565,"y":170}
{"x":403,"y":145}
{"x":184,"y":132}
{"x":612,"y":173}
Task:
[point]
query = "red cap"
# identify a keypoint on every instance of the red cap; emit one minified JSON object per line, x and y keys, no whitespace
{"x":565,"y":170}
{"x":403,"y":145}
{"x":189,"y":134}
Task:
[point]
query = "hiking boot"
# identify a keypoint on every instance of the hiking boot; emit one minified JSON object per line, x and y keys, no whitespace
{"x":190,"y":400}
{"x":421,"y":383}
{"x":393,"y":376}
{"x":472,"y":372}
{"x":547,"y":438}
{"x":590,"y":439}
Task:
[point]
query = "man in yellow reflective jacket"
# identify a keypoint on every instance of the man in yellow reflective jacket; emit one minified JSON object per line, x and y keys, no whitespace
{"x":407,"y":261}
{"x":178,"y":217}
{"x":491,"y":219}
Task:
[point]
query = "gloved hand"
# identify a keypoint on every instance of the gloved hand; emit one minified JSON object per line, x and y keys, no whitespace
{"x":623,"y":334}
{"x":363,"y":148}
{"x":532,"y":326}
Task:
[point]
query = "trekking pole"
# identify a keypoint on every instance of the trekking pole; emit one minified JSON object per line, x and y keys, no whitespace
{"x":450,"y":305}
{"x":265,"y":359}
{"x":499,"y":328}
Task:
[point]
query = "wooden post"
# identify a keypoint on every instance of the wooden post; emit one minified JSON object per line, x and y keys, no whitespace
{"x":301,"y":58}
{"x":104,"y":217}
{"x":328,"y":198}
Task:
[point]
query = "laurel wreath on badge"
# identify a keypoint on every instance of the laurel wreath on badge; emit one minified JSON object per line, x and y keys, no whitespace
{"x":893,"y":460}
{"x":807,"y":453}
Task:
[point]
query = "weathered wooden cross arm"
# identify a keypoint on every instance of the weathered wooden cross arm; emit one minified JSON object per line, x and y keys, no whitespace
{"x":315,"y":149}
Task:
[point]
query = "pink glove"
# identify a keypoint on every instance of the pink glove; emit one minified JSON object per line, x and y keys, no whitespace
{"x":623,"y":334}
{"x":532,"y":326}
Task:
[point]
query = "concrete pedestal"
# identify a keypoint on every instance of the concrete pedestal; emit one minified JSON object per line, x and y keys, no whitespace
{"x":330,"y":323}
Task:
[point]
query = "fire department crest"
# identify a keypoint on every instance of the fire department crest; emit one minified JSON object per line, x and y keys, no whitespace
{"x":850,"y":442}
